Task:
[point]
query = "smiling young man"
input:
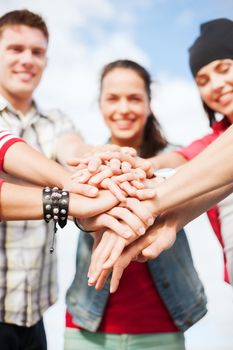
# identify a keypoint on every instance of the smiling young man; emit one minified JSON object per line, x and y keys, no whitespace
{"x":28,"y":283}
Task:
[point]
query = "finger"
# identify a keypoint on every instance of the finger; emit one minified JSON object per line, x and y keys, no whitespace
{"x":82,"y":177}
{"x":124,"y":177}
{"x":137,"y":184}
{"x":114,"y":255}
{"x":146,"y":165}
{"x":100,"y":255}
{"x":129,"y":150}
{"x":161,"y":242}
{"x":76,"y":161}
{"x":98,"y":178}
{"x":94,"y":164}
{"x":83,"y":189}
{"x":113,"y":224}
{"x":115,"y":166}
{"x":140,"y":210}
{"x":122,"y":156}
{"x":126,"y":167}
{"x":114,"y":188}
{"x":139,"y":173}
{"x":130,"y":190}
{"x":130,"y":219}
{"x":146,"y":193}
{"x":102,"y":279}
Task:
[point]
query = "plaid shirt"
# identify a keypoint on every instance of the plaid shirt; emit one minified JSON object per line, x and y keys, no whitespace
{"x":28,"y":276}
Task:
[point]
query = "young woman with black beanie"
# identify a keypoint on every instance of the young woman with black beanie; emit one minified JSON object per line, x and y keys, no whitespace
{"x":211,"y":63}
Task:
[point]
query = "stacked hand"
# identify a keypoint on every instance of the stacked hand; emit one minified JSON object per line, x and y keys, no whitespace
{"x":117,"y":169}
{"x":121,"y":172}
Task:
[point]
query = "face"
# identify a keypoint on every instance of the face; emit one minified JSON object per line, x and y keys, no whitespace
{"x":23,"y":59}
{"x":124,"y":104}
{"x":215,"y":83}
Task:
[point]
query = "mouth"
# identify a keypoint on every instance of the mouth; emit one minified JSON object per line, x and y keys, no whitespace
{"x":225,"y":98}
{"x":124,"y":124}
{"x":25,"y":75}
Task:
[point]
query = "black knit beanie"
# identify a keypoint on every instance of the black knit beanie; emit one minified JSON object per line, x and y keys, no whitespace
{"x":215,"y":42}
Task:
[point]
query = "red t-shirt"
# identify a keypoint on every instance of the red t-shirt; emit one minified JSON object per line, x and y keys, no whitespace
{"x":193,"y":150}
{"x":136,"y":307}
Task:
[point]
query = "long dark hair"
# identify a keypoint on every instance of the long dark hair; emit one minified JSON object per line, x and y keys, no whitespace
{"x":153,"y":139}
{"x":210,"y":113}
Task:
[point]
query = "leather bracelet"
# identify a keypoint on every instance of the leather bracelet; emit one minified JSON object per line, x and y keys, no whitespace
{"x":55,"y":207}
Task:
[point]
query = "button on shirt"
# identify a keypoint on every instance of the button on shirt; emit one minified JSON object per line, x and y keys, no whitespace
{"x":28,"y":277}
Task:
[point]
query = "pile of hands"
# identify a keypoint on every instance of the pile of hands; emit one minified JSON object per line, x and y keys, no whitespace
{"x":131,"y":230}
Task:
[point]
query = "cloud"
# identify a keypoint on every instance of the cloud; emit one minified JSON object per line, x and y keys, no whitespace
{"x":71,"y":79}
{"x":178,"y":107}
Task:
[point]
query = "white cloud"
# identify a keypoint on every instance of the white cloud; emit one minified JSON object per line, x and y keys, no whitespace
{"x":71,"y":80}
{"x":178,"y":107}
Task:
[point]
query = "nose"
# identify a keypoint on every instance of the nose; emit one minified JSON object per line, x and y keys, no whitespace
{"x":123,"y":106}
{"x":217,"y":82}
{"x":27,"y":57}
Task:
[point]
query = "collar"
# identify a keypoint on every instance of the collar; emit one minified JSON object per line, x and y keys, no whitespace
{"x":222,"y":125}
{"x":35,"y":109}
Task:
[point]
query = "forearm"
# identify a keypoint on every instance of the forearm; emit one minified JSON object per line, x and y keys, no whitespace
{"x":183,"y":214}
{"x":168,"y":160}
{"x":20,"y":203}
{"x":211,"y":169}
{"x":70,"y":146}
{"x":23,"y":161}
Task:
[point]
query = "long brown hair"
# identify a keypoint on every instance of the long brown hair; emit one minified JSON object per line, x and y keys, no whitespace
{"x":153,"y":139}
{"x":210,"y":113}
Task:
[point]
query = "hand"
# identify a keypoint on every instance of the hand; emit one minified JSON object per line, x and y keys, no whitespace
{"x":161,"y":236}
{"x":113,"y":245}
{"x":113,"y":220}
{"x":84,"y":207}
{"x":84,"y":189}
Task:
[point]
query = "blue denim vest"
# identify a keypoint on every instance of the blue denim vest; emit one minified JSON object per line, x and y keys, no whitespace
{"x":174,"y":277}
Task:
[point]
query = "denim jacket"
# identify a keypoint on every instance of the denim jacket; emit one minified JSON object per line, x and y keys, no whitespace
{"x":174,"y":277}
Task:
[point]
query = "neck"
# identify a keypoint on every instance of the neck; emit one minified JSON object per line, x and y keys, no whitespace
{"x":19,"y":103}
{"x":230,"y":118}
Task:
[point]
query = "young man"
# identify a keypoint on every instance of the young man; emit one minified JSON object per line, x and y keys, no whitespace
{"x":28,"y":284}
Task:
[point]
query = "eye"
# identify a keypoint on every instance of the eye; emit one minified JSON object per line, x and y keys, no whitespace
{"x":223,"y":68}
{"x":111,"y":98}
{"x":202,"y":80}
{"x":16,"y":49}
{"x":135,"y":98}
{"x":38,"y":52}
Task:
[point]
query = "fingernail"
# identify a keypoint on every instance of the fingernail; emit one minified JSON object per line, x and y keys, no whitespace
{"x":141,"y":230}
{"x":93,"y":190}
{"x":127,"y":234}
{"x":150,"y":221}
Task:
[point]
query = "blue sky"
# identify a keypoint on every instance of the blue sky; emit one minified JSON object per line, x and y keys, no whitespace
{"x":86,"y":34}
{"x":163,"y":29}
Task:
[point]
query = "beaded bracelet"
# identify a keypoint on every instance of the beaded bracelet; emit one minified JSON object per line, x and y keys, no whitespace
{"x":55,"y":207}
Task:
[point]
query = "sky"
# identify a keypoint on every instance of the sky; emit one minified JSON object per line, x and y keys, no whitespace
{"x":84,"y":36}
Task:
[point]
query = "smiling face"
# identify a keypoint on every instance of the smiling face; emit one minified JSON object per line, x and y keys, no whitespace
{"x":125,"y":106}
{"x":23,"y":59}
{"x":215,"y":83}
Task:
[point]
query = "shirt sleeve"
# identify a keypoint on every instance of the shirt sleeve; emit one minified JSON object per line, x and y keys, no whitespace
{"x":197,"y":146}
{"x":6,"y":140}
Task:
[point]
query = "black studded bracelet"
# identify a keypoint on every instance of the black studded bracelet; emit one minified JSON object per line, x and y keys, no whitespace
{"x":55,"y":207}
